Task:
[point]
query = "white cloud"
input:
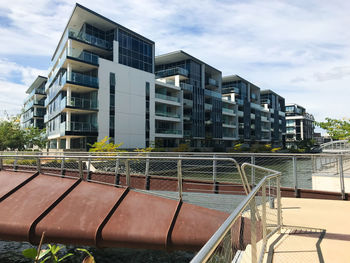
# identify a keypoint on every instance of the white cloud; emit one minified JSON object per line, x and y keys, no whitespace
{"x":300,"y":49}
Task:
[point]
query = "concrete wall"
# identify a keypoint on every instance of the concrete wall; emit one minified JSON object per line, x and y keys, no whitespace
{"x":130,"y":103}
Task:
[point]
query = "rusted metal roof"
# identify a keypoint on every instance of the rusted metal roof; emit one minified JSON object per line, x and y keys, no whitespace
{"x":72,"y":211}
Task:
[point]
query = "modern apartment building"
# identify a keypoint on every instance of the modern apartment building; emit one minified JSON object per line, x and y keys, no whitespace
{"x":276,"y":106}
{"x":253,"y":119}
{"x":200,"y":110}
{"x":299,"y":124}
{"x":104,"y":80}
{"x":98,"y":81}
{"x":34,"y":109}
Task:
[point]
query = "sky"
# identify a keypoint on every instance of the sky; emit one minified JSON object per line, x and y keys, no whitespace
{"x":299,"y":49}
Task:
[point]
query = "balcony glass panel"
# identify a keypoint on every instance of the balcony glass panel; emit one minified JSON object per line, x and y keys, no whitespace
{"x":82,"y":79}
{"x":186,"y":86}
{"x":165,"y":97}
{"x":167,"y":114}
{"x":228,"y":110}
{"x":82,"y":55}
{"x":87,"y":38}
{"x":172,"y":72}
{"x":168,"y":131}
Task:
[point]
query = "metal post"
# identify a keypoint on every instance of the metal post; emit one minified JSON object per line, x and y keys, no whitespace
{"x":253,"y":229}
{"x":63,"y":171}
{"x":15,"y":164}
{"x":88,"y":169}
{"x":295,"y":176}
{"x":215,"y":175}
{"x":179,"y":178}
{"x":263,"y":219}
{"x":127,"y":171}
{"x":81,"y":174}
{"x":147,"y":186}
{"x":279,"y":210}
{"x":1,"y":167}
{"x":252,"y":160}
{"x":38,"y":165}
{"x":341,"y":176}
{"x":116,"y":172}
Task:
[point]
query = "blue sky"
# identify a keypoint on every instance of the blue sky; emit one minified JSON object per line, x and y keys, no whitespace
{"x":299,"y":49}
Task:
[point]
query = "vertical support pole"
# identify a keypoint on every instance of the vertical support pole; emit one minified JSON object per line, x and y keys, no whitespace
{"x":295,"y":176}
{"x":38,"y":165}
{"x":179,"y":178}
{"x":215,"y":184}
{"x":147,"y":186}
{"x":116,"y":172}
{"x":1,"y":165}
{"x":279,"y":210}
{"x":88,"y":169}
{"x":127,"y":171}
{"x":253,"y":229}
{"x":263,"y":219}
{"x":15,"y":164}
{"x":252,"y":161}
{"x":63,"y":171}
{"x":81,"y":174}
{"x":341,"y":176}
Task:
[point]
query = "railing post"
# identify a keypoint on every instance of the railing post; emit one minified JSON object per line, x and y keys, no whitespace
{"x":295,"y":176}
{"x":1,"y":165}
{"x":341,"y":176}
{"x":179,"y":178}
{"x":81,"y":174}
{"x":15,"y":163}
{"x":279,"y":208}
{"x":63,"y":171}
{"x":116,"y":172}
{"x":88,"y":169}
{"x":252,"y":161}
{"x":253,"y":229}
{"x":127,"y":172}
{"x":38,"y":165}
{"x":147,"y":178}
{"x":263,"y":219}
{"x":215,"y":184}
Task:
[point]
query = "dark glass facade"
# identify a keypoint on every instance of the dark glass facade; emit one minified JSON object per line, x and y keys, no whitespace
{"x":134,"y":52}
{"x":112,"y":81}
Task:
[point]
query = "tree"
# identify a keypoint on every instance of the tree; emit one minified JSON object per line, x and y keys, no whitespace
{"x":337,"y":129}
{"x":105,"y":146}
{"x":35,"y":137}
{"x":11,"y":136}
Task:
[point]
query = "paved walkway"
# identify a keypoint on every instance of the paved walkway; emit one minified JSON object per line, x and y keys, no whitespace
{"x":316,"y":231}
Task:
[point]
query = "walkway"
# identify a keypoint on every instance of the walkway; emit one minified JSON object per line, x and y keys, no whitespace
{"x":316,"y":231}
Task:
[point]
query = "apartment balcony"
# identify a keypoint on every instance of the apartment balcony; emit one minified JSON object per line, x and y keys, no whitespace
{"x":265,"y":129}
{"x":34,"y":102}
{"x":82,"y":79}
{"x":167,"y":98}
{"x":227,"y":111}
{"x":79,"y":103}
{"x":186,"y":87}
{"x":168,"y":133}
{"x":229,"y":124}
{"x":211,"y":83}
{"x":39,"y":112}
{"x":74,"y":127}
{"x":211,"y":93}
{"x":172,"y":72}
{"x":167,"y":114}
{"x":264,"y":119}
{"x":208,"y":107}
{"x":188,"y":103}
{"x":281,"y":113}
{"x":89,"y":39}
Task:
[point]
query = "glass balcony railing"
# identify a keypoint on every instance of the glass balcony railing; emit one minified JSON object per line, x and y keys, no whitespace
{"x":231,"y":123}
{"x":167,"y":114}
{"x":84,"y":56}
{"x":78,"y":127}
{"x":82,"y":79}
{"x":208,"y":106}
{"x":211,"y":82}
{"x":228,"y":134}
{"x":171,"y":72}
{"x":80,"y":103}
{"x":165,"y":97}
{"x":168,"y":131}
{"x":187,"y":87}
{"x":87,"y":38}
{"x":225,"y":110}
{"x":211,"y":93}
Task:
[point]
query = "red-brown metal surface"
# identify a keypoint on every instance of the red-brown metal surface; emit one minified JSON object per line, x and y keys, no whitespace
{"x":78,"y":216}
{"x":141,"y":220}
{"x":22,"y":208}
{"x":10,"y":181}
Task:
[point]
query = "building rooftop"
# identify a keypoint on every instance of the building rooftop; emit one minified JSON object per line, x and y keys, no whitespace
{"x":37,"y":82}
{"x":230,"y":78}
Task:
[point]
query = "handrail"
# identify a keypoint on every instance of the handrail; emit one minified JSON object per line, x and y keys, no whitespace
{"x":208,"y":249}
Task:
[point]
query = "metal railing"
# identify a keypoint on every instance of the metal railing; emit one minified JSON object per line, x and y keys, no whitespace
{"x":221,"y":246}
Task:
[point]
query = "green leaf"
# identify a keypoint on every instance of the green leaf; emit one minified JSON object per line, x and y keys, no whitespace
{"x":65,"y":256}
{"x":30,"y":253}
{"x":86,"y":251}
{"x":43,"y":253}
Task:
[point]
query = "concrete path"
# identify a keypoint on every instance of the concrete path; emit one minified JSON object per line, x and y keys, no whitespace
{"x":315,"y":231}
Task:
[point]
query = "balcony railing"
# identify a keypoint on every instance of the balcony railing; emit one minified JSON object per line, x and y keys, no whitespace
{"x":186,"y":86}
{"x":78,"y":127}
{"x":167,"y":114}
{"x":84,"y":56}
{"x":168,"y":131}
{"x":172,"y":72}
{"x":165,"y":97}
{"x":80,"y":103}
{"x":211,"y":82}
{"x":82,"y":79}
{"x":211,"y":93}
{"x":82,"y":36}
{"x":225,"y":110}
